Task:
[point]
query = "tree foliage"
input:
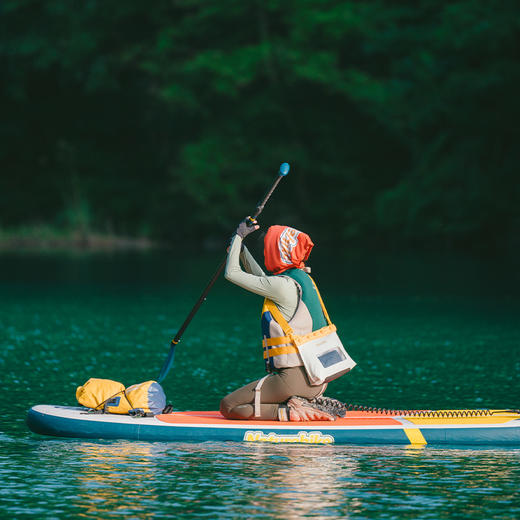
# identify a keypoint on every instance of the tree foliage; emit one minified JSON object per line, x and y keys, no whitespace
{"x":400,"y":120}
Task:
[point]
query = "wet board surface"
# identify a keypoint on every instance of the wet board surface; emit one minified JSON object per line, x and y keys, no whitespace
{"x":497,"y":428}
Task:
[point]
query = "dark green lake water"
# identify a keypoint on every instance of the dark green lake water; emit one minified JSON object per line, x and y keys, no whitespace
{"x":426,"y":333}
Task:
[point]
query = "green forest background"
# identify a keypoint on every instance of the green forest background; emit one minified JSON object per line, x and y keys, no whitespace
{"x":170,"y":119}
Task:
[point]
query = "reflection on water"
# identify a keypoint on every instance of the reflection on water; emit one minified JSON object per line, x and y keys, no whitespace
{"x":113,"y":477}
{"x":229,"y":480}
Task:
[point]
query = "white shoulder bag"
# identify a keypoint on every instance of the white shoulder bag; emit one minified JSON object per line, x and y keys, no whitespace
{"x":322,"y":352}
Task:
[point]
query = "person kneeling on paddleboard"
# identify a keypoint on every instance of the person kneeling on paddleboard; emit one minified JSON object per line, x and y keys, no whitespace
{"x":301,"y":350}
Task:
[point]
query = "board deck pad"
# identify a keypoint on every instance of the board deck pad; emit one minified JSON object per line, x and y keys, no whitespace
{"x":357,"y":427}
{"x":352,"y":418}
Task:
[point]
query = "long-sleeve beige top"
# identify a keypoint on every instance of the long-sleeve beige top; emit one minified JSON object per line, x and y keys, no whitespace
{"x":281,"y":290}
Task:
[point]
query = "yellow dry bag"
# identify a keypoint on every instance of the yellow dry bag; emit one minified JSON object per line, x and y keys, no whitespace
{"x":110,"y":396}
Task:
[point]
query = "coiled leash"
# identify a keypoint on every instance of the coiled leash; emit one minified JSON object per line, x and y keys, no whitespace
{"x":335,"y":407}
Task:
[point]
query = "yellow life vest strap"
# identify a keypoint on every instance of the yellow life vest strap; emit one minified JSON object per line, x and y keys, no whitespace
{"x":273,"y":342}
{"x":291,"y":342}
{"x":298,"y":340}
{"x":278,"y":351}
{"x":270,"y":306}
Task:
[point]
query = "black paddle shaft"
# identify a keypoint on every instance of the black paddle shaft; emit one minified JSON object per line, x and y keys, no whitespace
{"x":200,"y":301}
{"x":202,"y":298}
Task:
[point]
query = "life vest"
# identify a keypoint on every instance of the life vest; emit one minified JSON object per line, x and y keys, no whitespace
{"x":310,"y":321}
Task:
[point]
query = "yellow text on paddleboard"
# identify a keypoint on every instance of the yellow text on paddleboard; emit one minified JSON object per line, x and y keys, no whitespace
{"x":303,"y":437}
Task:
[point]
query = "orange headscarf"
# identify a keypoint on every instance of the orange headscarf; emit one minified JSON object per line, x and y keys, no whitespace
{"x":286,"y":248}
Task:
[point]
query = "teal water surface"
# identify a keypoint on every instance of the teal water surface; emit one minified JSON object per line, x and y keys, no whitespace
{"x":426,"y":333}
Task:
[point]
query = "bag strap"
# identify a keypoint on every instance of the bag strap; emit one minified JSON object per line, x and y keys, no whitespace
{"x":102,"y":407}
{"x":325,"y":313}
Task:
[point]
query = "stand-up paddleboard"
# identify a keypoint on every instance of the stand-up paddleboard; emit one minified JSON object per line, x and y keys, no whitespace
{"x":449,"y":427}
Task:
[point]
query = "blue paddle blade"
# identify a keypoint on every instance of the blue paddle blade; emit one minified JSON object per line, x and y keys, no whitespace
{"x":167,"y":364}
{"x":284,"y":168}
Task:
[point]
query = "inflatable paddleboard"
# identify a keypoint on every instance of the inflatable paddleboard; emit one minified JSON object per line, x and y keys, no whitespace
{"x":448,"y":427}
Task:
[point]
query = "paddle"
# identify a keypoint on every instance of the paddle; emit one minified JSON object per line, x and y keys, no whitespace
{"x":284,"y":170}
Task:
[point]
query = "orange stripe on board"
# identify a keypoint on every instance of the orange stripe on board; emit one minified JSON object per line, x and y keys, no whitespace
{"x":215,"y":418}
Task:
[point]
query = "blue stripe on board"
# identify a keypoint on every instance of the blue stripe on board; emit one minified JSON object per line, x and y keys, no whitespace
{"x":490,"y":436}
